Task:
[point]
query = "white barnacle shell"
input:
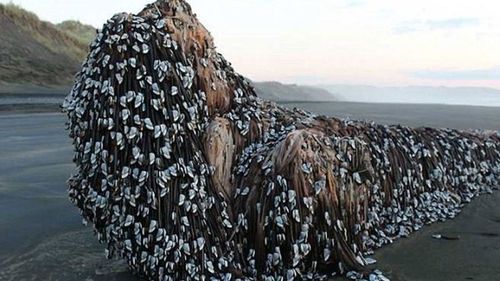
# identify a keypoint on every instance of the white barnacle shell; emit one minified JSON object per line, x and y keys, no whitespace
{"x":201,"y":243}
{"x":137,"y":120}
{"x":105,"y":86}
{"x":166,"y":150}
{"x":138,"y":36}
{"x":157,"y":131}
{"x":136,"y":151}
{"x":296,"y":215}
{"x":319,"y":186}
{"x":132,"y":62}
{"x":185,"y":221}
{"x":245,"y":191}
{"x":119,"y":78}
{"x":143,"y":176}
{"x":305,"y":248}
{"x":160,"y":24}
{"x":182,"y":199}
{"x":186,"y":249}
{"x":128,"y":245}
{"x":105,"y":60}
{"x":174,"y":91}
{"x":145,"y":48}
{"x":176,"y":115}
{"x":152,"y":226}
{"x":134,"y":132}
{"x":119,"y":139}
{"x":357,"y":178}
{"x":125,"y":114}
{"x":129,"y":220}
{"x":148,"y":124}
{"x":156,"y":89}
{"x":125,"y":172}
{"x":139,"y":100}
{"x":307,"y":168}
{"x":292,"y":195}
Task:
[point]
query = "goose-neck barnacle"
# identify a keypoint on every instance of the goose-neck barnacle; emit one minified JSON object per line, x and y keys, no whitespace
{"x":187,"y":175}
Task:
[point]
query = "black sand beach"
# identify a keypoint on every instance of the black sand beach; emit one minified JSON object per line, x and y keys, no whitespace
{"x":41,"y":237}
{"x":413,"y":115}
{"x":41,"y":233}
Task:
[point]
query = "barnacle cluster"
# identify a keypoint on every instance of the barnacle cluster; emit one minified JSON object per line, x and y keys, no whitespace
{"x":187,"y":175}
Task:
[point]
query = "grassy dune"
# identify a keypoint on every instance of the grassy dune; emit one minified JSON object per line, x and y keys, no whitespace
{"x":37,"y":52}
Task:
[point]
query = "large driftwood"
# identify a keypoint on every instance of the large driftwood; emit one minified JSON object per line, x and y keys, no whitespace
{"x":187,"y":175}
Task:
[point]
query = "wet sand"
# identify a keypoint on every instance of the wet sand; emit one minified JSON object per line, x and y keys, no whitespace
{"x":41,"y":236}
{"x":474,"y":256}
{"x":413,"y":115}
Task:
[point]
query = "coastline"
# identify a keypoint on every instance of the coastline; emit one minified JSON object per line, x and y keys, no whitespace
{"x":42,"y":234}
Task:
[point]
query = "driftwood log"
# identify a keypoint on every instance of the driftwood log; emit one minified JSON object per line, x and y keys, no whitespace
{"x":187,"y":175}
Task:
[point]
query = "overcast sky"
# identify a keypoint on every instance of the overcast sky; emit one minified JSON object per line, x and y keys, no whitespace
{"x":382,"y":42}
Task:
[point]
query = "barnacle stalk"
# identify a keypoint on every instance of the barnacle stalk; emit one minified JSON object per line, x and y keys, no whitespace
{"x":187,"y":175}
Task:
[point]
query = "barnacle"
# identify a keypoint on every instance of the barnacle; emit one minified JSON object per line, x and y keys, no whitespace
{"x":187,"y":175}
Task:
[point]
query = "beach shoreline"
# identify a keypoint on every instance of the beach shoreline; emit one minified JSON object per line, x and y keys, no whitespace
{"x":42,"y":235}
